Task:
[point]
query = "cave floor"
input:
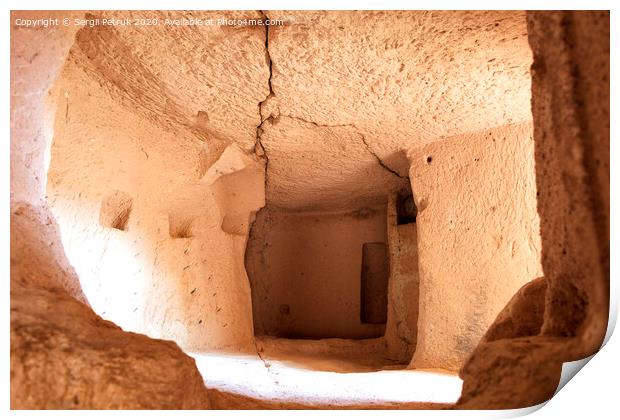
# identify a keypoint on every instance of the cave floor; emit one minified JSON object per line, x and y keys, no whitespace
{"x":328,"y":373}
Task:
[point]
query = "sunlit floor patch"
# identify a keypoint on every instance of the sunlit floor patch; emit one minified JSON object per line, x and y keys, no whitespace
{"x":286,"y":380}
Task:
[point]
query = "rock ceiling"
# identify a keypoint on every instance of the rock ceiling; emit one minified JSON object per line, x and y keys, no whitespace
{"x":332,"y":97}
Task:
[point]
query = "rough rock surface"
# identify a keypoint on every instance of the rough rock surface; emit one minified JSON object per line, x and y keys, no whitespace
{"x":183,"y":148}
{"x":381,"y":77}
{"x":318,"y":168}
{"x":63,"y":355}
{"x":570,"y":104}
{"x":511,"y":373}
{"x":174,"y":135}
{"x":37,"y":257}
{"x":523,"y":315}
{"x":511,"y":345}
{"x":471,"y":260}
{"x":200,"y":85}
{"x":36,"y":58}
{"x":403,"y":289}
{"x":330,"y":124}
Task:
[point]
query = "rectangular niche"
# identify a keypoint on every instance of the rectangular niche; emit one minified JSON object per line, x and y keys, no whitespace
{"x":375,"y":277}
{"x":180,"y":226}
{"x":115,"y":210}
{"x":406,"y":209}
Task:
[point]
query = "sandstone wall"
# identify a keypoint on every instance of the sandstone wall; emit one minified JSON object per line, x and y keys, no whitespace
{"x":388,"y":81}
{"x":570,"y":105}
{"x":478,"y":236}
{"x":305,"y":270}
{"x":154,"y":186}
{"x":402,"y":320}
{"x":174,"y":268}
{"x":37,"y":55}
{"x":62,"y":354}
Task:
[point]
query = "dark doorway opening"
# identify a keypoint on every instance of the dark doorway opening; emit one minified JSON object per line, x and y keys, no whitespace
{"x":307,"y":271}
